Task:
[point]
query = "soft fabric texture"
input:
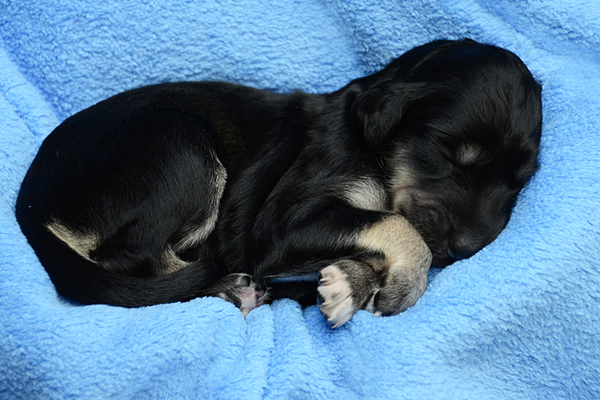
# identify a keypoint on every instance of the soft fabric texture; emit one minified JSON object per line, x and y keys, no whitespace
{"x":519,"y":320}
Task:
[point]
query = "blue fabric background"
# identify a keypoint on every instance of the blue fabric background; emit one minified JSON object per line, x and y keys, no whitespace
{"x":520,"y":320}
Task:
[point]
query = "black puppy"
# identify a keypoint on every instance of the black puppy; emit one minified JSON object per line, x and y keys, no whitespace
{"x":179,"y":190}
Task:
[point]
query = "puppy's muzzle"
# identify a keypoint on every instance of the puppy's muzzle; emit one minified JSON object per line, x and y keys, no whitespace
{"x":457,"y":252}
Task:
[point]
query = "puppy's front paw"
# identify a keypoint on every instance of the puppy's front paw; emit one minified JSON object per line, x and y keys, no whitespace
{"x":401,"y":289}
{"x":335,"y":293}
{"x":346,"y":287}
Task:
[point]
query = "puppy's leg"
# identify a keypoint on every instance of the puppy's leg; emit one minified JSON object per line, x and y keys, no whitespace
{"x":240,"y":290}
{"x":376,"y":243}
{"x":406,"y":262}
{"x":386,"y":284}
{"x":346,"y":287}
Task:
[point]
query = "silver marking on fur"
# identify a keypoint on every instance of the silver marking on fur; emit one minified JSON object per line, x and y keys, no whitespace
{"x":468,"y":154}
{"x":81,"y":243}
{"x":172,"y":261}
{"x":404,"y":192}
{"x":366,"y":194}
{"x":201,"y":232}
{"x":402,"y":181}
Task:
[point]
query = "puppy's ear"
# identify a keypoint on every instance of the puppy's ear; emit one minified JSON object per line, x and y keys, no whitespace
{"x":377,"y":111}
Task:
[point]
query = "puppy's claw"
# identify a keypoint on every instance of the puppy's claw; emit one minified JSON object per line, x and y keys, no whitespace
{"x":337,"y":315}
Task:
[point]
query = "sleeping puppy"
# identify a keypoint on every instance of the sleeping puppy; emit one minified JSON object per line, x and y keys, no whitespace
{"x":179,"y":190}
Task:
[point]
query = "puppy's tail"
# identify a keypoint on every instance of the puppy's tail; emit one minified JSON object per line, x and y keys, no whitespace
{"x":85,"y":282}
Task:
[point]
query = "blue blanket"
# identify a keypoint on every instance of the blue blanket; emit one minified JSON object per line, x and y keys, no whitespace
{"x":519,"y":320}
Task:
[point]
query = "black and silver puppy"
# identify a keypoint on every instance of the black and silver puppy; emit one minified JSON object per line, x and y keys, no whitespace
{"x":179,"y":190}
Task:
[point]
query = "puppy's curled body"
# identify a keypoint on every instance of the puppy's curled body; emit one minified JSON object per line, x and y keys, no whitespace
{"x":179,"y":190}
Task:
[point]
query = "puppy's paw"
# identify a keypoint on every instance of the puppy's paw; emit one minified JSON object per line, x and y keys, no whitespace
{"x":335,"y":293}
{"x":401,"y":289}
{"x":240,"y":290}
{"x":346,"y":287}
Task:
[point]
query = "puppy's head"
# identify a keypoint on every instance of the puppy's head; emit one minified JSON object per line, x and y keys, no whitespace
{"x":459,"y":127}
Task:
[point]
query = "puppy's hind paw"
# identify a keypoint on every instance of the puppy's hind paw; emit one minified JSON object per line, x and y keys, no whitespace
{"x":240,"y":290}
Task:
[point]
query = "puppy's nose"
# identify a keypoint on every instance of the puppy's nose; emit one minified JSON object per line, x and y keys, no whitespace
{"x":460,"y":253}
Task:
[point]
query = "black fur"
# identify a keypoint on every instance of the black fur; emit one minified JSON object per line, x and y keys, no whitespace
{"x":450,"y":131}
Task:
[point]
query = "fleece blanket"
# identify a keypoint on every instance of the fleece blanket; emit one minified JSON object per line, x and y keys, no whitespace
{"x":519,"y":320}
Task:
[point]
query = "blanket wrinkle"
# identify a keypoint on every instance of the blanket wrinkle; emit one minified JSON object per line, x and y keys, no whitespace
{"x":518,"y":320}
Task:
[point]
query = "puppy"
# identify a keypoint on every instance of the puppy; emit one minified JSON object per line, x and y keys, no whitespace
{"x":179,"y":190}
